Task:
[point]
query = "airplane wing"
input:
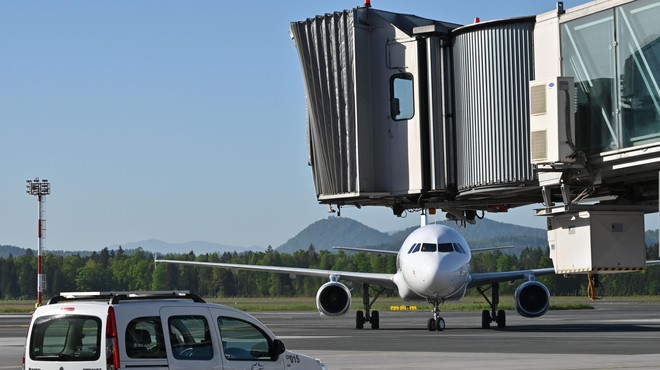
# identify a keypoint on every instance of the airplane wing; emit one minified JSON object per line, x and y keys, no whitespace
{"x":366,"y":250}
{"x":497,"y":277}
{"x":384,"y":280}
{"x":491,"y":248}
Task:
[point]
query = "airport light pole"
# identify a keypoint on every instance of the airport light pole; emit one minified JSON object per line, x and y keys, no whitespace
{"x":39,"y":188}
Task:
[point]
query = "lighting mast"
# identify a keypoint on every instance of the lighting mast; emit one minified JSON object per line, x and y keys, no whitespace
{"x":40,"y":188}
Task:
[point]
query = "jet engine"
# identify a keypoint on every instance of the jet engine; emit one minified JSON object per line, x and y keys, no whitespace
{"x":333,"y":299}
{"x":532,"y":299}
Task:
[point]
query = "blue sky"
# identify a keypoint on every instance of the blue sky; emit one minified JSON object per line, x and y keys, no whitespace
{"x":171,"y":120}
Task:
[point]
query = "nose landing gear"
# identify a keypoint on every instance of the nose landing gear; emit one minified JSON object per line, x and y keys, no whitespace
{"x":436,"y":322}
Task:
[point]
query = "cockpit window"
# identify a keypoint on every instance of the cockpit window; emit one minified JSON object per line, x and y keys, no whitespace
{"x":411,"y":248}
{"x":459,"y":248}
{"x":445,"y":247}
{"x":428,"y":247}
{"x":416,"y":249}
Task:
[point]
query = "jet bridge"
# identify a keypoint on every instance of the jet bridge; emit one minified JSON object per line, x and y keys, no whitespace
{"x":558,"y":109}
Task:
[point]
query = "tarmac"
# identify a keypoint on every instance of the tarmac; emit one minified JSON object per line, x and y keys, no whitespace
{"x":614,"y":335}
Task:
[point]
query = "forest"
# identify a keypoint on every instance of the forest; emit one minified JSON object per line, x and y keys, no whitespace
{"x":135,"y":270}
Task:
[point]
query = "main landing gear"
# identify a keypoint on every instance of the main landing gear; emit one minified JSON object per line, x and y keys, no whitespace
{"x":495,"y":315}
{"x":367,"y":315}
{"x":436,"y":322}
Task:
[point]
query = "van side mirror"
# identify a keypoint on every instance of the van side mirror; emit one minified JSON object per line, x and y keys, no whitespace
{"x":276,"y":349}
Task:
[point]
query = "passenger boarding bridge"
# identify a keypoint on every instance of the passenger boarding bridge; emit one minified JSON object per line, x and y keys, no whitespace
{"x":561,"y":109}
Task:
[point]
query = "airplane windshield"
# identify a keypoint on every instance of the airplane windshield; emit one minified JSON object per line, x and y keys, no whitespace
{"x":445,"y":247}
{"x":427,"y":247}
{"x":459,"y":248}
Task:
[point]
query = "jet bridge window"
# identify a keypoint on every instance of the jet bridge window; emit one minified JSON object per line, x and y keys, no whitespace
{"x":587,"y":55}
{"x":402,"y":105}
{"x":614,"y":56}
{"x":639,"y":71}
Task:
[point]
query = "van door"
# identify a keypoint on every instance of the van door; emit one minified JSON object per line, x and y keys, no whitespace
{"x":244,"y":344}
{"x":189,"y":338}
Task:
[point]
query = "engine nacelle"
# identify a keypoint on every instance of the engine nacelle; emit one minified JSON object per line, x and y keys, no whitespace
{"x":532,"y":299}
{"x":333,"y":299}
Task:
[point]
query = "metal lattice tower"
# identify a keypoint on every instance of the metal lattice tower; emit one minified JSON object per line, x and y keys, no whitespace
{"x":39,"y":188}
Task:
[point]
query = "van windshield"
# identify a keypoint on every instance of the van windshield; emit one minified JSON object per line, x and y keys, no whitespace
{"x":66,"y":338}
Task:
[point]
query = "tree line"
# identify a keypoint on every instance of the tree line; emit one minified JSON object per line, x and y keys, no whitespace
{"x":122,"y":271}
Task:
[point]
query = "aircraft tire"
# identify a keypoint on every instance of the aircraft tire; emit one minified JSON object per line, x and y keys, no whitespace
{"x":375,"y":320}
{"x":359,"y":320}
{"x":485,"y":319}
{"x":501,"y":319}
{"x":431,"y":324}
{"x":440,"y":324}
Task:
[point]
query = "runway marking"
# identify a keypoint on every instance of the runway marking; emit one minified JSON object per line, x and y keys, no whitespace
{"x":312,"y":336}
{"x":641,"y":321}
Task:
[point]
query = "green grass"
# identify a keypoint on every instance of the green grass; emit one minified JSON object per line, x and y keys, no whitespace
{"x":17,"y":306}
{"x":470,"y":303}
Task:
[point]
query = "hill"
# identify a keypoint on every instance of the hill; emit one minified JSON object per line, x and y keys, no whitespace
{"x":334,"y":231}
{"x":6,"y":250}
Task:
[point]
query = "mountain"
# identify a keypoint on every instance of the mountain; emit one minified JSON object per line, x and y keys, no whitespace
{"x":486,"y":233}
{"x":334,"y":231}
{"x":199,"y":247}
{"x":339,"y":231}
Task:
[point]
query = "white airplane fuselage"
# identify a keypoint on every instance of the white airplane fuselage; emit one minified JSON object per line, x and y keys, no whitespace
{"x":433,"y":263}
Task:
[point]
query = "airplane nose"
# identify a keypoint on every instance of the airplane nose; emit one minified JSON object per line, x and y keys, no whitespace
{"x":435,"y":276}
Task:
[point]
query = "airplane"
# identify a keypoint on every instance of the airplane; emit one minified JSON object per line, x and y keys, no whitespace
{"x":433,"y":265}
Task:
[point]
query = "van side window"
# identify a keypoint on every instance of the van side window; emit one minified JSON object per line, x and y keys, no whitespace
{"x":190,"y":337}
{"x":66,"y":338}
{"x":144,"y":338}
{"x":242,"y":341}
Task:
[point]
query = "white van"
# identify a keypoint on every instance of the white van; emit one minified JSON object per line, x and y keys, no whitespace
{"x":151,"y":330}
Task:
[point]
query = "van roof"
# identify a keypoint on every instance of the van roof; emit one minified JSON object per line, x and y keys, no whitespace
{"x":113,"y":297}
